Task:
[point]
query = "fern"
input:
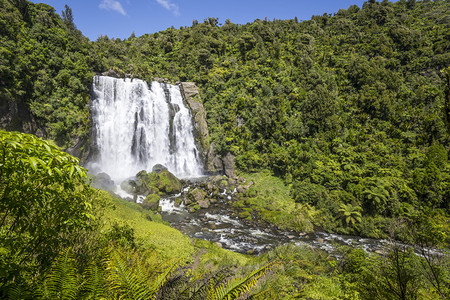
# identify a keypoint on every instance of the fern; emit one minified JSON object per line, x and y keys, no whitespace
{"x":94,"y":281}
{"x":134,"y":276}
{"x":238,"y":287}
{"x":202,"y":288}
{"x":62,"y":281}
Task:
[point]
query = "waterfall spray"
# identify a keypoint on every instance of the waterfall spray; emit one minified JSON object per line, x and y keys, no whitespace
{"x":137,"y":126}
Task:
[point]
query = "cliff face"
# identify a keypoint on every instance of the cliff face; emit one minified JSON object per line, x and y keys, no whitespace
{"x":213,"y":162}
{"x":191,"y":95}
{"x":15,"y":116}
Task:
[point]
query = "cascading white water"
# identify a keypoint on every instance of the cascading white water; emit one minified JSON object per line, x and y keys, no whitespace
{"x":137,"y":126}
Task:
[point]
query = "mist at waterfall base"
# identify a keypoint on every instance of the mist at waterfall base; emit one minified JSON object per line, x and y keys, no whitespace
{"x":136,"y":126}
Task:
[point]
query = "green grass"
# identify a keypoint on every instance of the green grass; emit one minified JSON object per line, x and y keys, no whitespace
{"x":168,"y":241}
{"x":155,"y":233}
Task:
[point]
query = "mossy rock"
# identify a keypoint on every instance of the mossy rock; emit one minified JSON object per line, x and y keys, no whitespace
{"x":245,"y":215}
{"x":152,"y":202}
{"x":223,"y":184}
{"x":134,"y":187}
{"x":194,"y":208}
{"x":128,"y":186}
{"x":164,"y":182}
{"x":196,"y":195}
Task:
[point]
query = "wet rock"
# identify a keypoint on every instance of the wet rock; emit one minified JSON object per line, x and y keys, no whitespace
{"x":103,"y":181}
{"x":196,"y":195}
{"x":152,"y":202}
{"x":214,"y":162}
{"x":203,"y":203}
{"x":191,"y":95}
{"x":129,"y":186}
{"x":158,"y":168}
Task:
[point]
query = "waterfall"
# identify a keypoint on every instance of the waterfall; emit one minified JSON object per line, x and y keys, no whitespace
{"x":137,"y":126}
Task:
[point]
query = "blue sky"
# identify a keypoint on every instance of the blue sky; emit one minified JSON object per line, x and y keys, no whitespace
{"x":119,"y":18}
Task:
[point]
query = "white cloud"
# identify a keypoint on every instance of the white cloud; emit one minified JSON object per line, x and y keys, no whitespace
{"x":112,"y":5}
{"x":167,"y":4}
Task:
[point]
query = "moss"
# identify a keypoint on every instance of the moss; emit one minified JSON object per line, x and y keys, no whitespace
{"x":245,"y":215}
{"x":223,"y":183}
{"x":238,"y":204}
{"x":152,"y":202}
{"x":163,"y":182}
{"x":196,"y":195}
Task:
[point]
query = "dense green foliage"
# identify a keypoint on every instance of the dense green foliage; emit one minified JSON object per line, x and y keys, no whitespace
{"x":349,"y":108}
{"x":45,"y":205}
{"x":46,"y":68}
{"x":55,"y":242}
{"x":350,"y":111}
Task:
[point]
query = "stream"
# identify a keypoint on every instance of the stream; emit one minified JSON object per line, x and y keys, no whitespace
{"x":216,"y":225}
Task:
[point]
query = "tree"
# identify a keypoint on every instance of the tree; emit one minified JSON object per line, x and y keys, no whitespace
{"x":68,"y":17}
{"x":45,"y":201}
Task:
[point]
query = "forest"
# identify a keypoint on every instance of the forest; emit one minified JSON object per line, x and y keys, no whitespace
{"x":348,"y":112}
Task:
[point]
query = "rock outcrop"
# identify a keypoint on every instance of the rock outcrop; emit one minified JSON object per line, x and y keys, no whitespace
{"x":164,"y":182}
{"x":15,"y":116}
{"x":192,"y":97}
{"x":228,"y":165}
{"x":203,"y":194}
{"x":160,"y":182}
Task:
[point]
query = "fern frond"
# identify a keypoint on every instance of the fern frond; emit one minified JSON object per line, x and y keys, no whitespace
{"x":94,"y":281}
{"x":62,"y":281}
{"x":122,"y":278}
{"x":237,"y":287}
{"x":209,"y":283}
{"x":164,"y":276}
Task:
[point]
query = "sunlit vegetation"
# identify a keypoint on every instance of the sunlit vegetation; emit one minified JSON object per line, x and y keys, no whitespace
{"x":341,"y":121}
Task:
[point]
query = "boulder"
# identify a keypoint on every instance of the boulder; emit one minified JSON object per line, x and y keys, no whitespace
{"x":128,"y":186}
{"x":163,"y":182}
{"x":228,"y":165}
{"x":152,"y":202}
{"x":103,"y":181}
{"x":203,"y":203}
{"x":158,"y":168}
{"x":214,"y":162}
{"x":196,"y":195}
{"x":134,"y":187}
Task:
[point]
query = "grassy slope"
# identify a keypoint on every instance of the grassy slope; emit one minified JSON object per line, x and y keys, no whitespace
{"x":170,"y":242}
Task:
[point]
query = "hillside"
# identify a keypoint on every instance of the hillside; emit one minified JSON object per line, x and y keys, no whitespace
{"x":342,"y":121}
